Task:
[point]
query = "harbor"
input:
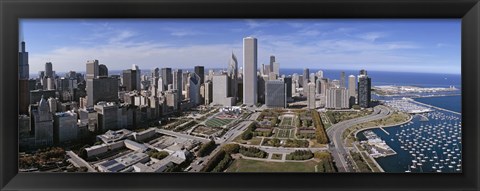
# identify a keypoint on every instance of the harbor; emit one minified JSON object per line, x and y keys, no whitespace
{"x":375,"y":146}
{"x":430,"y":142}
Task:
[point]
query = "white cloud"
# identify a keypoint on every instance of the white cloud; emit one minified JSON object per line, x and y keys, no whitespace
{"x":121,"y":36}
{"x":372,"y":36}
{"x":146,"y":55}
{"x":292,"y":51}
{"x":443,"y":45}
{"x":252,"y":23}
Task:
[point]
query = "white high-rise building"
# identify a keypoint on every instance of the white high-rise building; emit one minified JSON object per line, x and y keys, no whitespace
{"x":337,"y":98}
{"x":351,"y":89}
{"x":92,"y":69}
{"x":208,"y":92}
{"x":220,"y":95}
{"x":276,"y":68}
{"x":250,"y":71}
{"x":160,"y":88}
{"x":310,"y":93}
{"x":319,"y":74}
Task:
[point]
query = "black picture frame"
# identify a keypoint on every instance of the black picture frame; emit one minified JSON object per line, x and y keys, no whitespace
{"x":11,"y":11}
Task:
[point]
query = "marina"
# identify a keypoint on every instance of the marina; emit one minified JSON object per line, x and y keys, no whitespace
{"x":375,"y":146}
{"x":431,"y":142}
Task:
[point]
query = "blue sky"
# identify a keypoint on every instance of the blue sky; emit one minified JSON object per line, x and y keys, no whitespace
{"x":431,"y":46}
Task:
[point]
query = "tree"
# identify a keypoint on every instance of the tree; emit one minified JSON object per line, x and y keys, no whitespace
{"x":320,"y":133}
{"x":83,"y":152}
{"x":206,"y":148}
{"x":247,"y":135}
{"x":231,"y":148}
{"x":158,"y":154}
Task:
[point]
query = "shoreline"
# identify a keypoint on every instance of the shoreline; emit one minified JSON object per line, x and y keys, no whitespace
{"x":414,"y":97}
{"x":381,"y":126}
{"x":410,"y":119}
{"x":435,"y":107}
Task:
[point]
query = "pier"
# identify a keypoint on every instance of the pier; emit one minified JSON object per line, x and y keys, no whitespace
{"x":386,"y":132}
{"x":438,"y":108}
{"x":423,"y":117}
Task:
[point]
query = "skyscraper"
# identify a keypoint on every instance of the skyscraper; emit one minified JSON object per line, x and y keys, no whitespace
{"x":364,"y":89}
{"x":23,"y":67}
{"x":65,"y":127}
{"x":276,"y":68}
{"x":102,"y":70}
{"x":233,"y":74}
{"x":43,"y":123}
{"x":194,"y":89}
{"x":351,"y":90}
{"x":23,"y":83}
{"x":208,"y":92}
{"x":306,"y":77}
{"x":275,"y":94}
{"x":221,"y":86}
{"x":107,"y":116}
{"x":335,"y":83}
{"x":250,"y":71}
{"x":138,"y":73}
{"x":155,"y":75}
{"x":288,"y":87}
{"x":102,"y":89}
{"x":310,"y":93}
{"x":161,"y":87}
{"x":200,"y":71}
{"x":336,"y":98}
{"x":129,"y":79}
{"x":167,"y":77}
{"x":177,"y":85}
{"x":92,"y":69}
{"x":272,"y":60}
{"x":319,"y":74}
{"x":261,"y":88}
{"x":342,"y":79}
{"x":48,"y":70}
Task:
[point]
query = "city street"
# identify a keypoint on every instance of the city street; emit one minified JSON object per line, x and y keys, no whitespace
{"x":176,"y":134}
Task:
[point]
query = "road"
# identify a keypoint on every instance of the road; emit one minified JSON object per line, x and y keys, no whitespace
{"x":225,"y":139}
{"x":284,"y":150}
{"x":79,"y":162}
{"x":176,"y":134}
{"x":233,"y":132}
{"x":335,"y":134}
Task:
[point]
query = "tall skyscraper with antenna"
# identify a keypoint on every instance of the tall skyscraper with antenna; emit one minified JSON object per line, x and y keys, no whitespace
{"x":23,"y":67}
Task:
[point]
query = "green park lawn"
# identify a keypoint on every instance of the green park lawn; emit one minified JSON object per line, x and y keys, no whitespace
{"x":245,"y":165}
{"x":216,"y":122}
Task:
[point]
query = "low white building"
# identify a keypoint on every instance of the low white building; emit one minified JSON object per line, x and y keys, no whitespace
{"x":132,"y":145}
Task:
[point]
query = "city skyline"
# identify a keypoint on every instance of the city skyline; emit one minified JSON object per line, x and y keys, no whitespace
{"x":383,"y":45}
